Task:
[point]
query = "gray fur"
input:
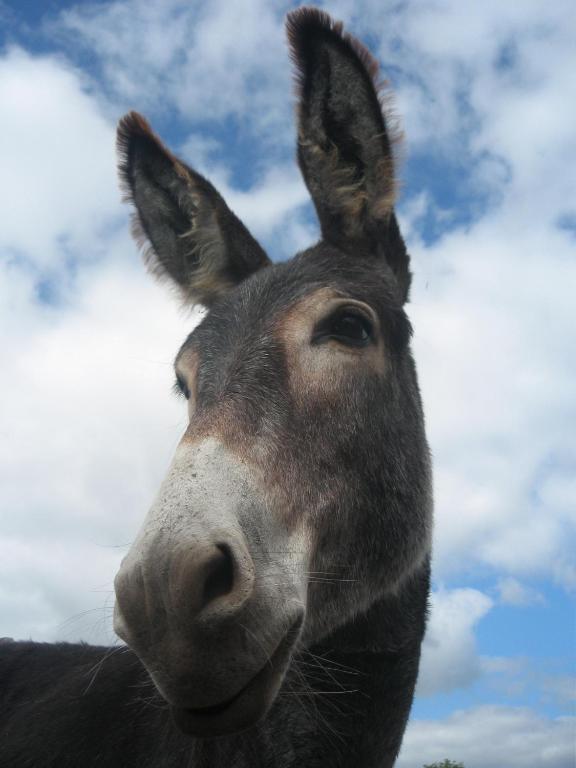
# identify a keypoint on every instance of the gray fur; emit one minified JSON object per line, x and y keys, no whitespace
{"x":275,"y":599}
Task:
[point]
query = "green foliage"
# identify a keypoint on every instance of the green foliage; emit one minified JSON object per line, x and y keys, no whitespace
{"x":444,"y":764}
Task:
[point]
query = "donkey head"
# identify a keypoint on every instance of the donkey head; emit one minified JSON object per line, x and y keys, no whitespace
{"x":299,"y":493}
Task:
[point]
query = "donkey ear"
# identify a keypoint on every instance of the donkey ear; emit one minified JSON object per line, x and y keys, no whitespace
{"x":345,"y":145}
{"x":193,"y":238}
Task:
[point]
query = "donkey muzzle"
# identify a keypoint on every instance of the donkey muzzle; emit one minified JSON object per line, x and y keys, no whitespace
{"x":211,"y":613}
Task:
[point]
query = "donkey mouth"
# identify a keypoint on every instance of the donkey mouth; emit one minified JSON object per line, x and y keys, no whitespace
{"x":246,"y":707}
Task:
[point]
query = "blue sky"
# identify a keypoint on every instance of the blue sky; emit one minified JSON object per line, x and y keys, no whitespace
{"x":484,"y":93}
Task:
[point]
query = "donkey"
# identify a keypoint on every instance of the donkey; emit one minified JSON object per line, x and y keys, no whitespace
{"x":274,"y":602}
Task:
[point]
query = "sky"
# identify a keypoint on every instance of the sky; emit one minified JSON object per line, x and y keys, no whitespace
{"x":484,"y":92}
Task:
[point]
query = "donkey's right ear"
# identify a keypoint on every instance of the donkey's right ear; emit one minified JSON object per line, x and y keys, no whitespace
{"x":193,"y":238}
{"x":345,"y":141}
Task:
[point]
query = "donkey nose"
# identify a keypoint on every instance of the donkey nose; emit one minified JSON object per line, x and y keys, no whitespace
{"x":206,"y":583}
{"x":209,"y":580}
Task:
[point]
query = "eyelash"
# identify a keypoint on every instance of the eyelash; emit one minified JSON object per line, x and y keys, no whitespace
{"x":180,"y":389}
{"x":359,"y":333}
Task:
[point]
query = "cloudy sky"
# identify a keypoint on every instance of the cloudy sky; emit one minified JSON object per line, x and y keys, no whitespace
{"x":485,"y":91}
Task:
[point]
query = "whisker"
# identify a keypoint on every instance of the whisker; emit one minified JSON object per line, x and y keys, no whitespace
{"x":98,"y":666}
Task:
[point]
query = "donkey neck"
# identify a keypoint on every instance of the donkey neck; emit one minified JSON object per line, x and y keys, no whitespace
{"x":345,"y":701}
{"x":392,"y":624}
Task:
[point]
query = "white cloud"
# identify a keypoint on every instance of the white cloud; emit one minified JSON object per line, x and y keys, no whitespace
{"x":512,"y":592}
{"x":209,"y":60}
{"x":209,"y":73}
{"x":58,"y":164}
{"x":88,"y":427}
{"x":491,"y":337}
{"x":267,"y":205}
{"x":512,"y":678}
{"x":89,"y":374}
{"x":449,"y":658}
{"x":491,"y":737}
{"x":274,"y":208}
{"x":560,"y":688}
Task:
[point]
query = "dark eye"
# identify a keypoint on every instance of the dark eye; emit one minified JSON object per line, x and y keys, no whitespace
{"x":180,"y":387}
{"x":348,"y":326}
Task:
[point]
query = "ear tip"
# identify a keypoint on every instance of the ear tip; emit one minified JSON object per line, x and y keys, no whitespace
{"x":308,"y":28}
{"x":306,"y":25}
{"x":134,"y":136}
{"x":133,"y":124}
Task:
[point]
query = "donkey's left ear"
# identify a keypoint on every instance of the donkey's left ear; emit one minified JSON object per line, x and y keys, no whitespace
{"x":193,"y":238}
{"x":345,"y":144}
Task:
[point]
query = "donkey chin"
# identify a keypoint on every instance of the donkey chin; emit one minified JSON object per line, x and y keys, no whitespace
{"x":211,"y":614}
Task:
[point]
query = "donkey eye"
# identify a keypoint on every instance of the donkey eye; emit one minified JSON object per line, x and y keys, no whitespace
{"x":181,"y":388}
{"x":348,"y":326}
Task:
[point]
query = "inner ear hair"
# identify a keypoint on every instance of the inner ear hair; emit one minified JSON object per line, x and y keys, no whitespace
{"x":188,"y":233}
{"x":348,"y":132}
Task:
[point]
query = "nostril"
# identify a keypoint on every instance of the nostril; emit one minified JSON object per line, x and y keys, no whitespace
{"x":208,"y":575}
{"x":219,"y":576}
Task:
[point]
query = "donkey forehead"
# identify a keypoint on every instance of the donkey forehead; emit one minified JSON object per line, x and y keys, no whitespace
{"x":299,"y":289}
